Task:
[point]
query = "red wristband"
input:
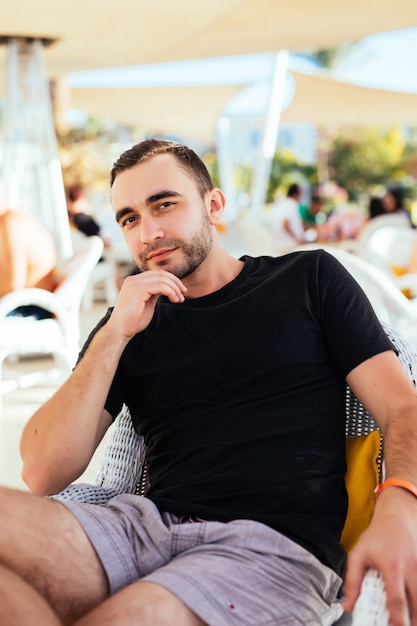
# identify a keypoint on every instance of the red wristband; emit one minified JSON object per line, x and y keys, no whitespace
{"x":397,"y":482}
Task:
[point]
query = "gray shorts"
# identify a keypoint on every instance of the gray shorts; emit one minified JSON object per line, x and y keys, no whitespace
{"x":237,"y":573}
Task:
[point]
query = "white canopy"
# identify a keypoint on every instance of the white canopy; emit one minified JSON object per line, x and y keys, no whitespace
{"x":333,"y":104}
{"x":187,"y":112}
{"x":193,"y":111}
{"x":101,"y":33}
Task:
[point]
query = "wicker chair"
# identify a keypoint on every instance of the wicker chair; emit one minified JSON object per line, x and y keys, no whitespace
{"x":123,"y":471}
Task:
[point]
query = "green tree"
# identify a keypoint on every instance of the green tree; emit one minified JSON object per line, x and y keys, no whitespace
{"x":85,"y":154}
{"x":286,"y":169}
{"x":366,"y":157}
{"x":212,"y":164}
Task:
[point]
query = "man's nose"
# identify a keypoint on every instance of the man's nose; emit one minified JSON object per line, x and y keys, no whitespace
{"x":150,"y":229}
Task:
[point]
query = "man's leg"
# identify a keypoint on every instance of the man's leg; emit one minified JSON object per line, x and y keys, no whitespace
{"x":43,"y":543}
{"x":21,"y":605}
{"x":144,"y":603}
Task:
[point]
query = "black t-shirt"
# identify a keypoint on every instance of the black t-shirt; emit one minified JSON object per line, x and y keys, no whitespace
{"x":240,"y":396}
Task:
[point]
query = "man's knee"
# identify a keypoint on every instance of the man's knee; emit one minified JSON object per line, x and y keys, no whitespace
{"x":164,"y":607}
{"x":144,"y":603}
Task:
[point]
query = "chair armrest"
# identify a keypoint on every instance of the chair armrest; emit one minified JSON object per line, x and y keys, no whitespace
{"x":124,"y":456}
{"x":86,"y":494}
{"x":371,"y":606}
{"x":120,"y":470}
{"x":32,"y":295}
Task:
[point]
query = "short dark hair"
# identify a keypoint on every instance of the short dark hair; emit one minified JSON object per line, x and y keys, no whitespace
{"x":376,"y":206}
{"x":145,"y":150}
{"x":316,"y":198}
{"x":293,"y":190}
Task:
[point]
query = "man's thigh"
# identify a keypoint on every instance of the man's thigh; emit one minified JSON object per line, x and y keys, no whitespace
{"x":21,"y":605}
{"x":43,"y":543}
{"x":142,"y":603}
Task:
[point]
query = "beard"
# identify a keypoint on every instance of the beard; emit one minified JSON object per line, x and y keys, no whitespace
{"x":195,"y":251}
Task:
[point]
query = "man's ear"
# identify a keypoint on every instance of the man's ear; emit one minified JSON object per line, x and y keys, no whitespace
{"x":217,"y":205}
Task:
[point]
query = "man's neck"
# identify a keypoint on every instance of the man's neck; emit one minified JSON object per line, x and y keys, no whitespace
{"x":216,"y":271}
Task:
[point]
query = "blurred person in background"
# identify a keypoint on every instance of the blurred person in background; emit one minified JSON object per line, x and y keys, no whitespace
{"x":27,"y":253}
{"x":311,"y":212}
{"x":79,"y":212}
{"x":393,"y":202}
{"x":286,"y":222}
{"x":376,"y":207}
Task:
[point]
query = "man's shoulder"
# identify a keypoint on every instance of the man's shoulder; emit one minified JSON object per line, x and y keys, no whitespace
{"x":298,"y":257}
{"x":297,"y":262}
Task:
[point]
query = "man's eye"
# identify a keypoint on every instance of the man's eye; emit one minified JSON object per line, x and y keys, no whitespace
{"x":128,"y":221}
{"x":165,"y":205}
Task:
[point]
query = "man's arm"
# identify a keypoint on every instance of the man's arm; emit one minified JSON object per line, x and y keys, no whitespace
{"x":61,"y":437}
{"x":390,"y":542}
{"x":59,"y":440}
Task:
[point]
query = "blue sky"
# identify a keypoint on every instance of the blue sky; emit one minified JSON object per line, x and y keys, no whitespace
{"x":384,"y":61}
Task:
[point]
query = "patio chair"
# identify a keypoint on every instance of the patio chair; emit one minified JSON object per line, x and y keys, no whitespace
{"x":123,"y":470}
{"x":390,"y":248}
{"x":103,"y":277}
{"x":398,"y":220}
{"x":58,"y":335}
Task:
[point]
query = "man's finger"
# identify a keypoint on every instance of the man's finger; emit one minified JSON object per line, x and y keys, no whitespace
{"x":352,"y":587}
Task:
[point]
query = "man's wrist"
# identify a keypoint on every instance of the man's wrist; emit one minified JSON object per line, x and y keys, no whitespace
{"x":397,"y":482}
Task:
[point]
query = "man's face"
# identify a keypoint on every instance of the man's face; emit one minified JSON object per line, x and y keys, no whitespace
{"x":164,"y":220}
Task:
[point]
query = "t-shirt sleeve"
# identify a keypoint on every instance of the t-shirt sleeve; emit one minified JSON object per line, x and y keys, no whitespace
{"x":351,"y":327}
{"x":114,"y":401}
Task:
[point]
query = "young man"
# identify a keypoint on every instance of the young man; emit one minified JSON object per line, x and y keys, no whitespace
{"x":234,"y":371}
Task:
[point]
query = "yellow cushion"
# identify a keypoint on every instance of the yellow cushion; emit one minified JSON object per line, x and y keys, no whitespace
{"x":361,"y":479}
